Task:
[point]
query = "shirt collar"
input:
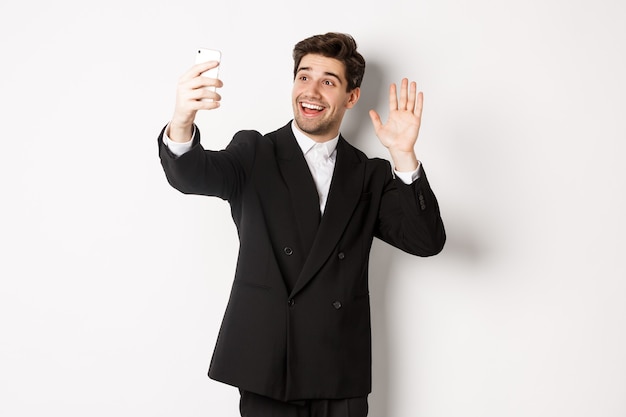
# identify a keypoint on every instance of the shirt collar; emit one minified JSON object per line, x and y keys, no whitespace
{"x":306,"y":143}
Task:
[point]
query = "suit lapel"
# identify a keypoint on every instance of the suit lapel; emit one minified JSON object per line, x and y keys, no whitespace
{"x":345,"y":191}
{"x":302,"y":190}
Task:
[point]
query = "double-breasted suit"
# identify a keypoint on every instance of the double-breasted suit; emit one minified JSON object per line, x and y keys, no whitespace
{"x":297,"y":324}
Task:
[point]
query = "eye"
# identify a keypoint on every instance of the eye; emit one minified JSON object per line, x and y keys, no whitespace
{"x":303,"y":78}
{"x":328,"y":82}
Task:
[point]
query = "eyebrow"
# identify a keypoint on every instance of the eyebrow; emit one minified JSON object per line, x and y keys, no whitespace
{"x":327,"y":73}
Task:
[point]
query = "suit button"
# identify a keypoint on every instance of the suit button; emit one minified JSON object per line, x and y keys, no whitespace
{"x":337,"y":305}
{"x":288,"y":251}
{"x":291,"y":302}
{"x":341,"y":255}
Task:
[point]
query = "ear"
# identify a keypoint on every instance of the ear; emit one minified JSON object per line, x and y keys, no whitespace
{"x":353,"y":97}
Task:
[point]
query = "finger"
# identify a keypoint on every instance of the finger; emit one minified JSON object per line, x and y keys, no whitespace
{"x":403,"y":94}
{"x":210,"y":95}
{"x":420,"y":104}
{"x":204,"y":104}
{"x":202,"y":94}
{"x":208,"y":105}
{"x":410,"y":106}
{"x":393,"y":97}
{"x":199,"y":88}
{"x":202,"y":82}
{"x":201,"y":68}
{"x":198,"y":69}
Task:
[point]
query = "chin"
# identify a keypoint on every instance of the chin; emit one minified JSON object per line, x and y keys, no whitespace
{"x":311,"y":129}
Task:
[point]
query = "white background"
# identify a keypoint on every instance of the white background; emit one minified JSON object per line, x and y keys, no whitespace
{"x":113,"y":284}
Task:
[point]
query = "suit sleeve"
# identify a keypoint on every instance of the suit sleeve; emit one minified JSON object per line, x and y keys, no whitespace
{"x":205,"y":172}
{"x":409,"y":217}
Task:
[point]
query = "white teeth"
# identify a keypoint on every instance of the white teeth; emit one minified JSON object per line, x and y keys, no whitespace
{"x":312,"y":106}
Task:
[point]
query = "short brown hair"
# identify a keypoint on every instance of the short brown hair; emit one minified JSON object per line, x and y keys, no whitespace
{"x":340,"y":46}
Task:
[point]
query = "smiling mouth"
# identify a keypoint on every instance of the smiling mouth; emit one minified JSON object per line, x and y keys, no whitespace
{"x":311,"y":109}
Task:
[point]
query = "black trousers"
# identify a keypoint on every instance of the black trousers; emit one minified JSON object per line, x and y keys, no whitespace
{"x":254,"y":405}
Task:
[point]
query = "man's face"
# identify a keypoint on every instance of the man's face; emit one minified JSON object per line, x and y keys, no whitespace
{"x":320,"y":98}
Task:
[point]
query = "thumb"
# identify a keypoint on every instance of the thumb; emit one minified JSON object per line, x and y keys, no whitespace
{"x":375,"y":120}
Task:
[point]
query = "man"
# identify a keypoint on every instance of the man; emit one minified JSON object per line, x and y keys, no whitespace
{"x":295,"y":338}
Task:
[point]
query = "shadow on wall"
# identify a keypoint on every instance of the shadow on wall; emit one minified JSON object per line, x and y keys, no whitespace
{"x":357,"y":127}
{"x":358,"y":130}
{"x":380,"y":266}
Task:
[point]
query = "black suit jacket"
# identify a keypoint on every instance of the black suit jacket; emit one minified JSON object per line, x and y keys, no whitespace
{"x":297,"y":324}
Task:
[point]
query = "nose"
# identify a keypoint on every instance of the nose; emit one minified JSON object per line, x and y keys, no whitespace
{"x":312,"y":90}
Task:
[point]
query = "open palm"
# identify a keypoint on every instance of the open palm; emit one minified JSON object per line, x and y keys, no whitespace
{"x":399,"y":133}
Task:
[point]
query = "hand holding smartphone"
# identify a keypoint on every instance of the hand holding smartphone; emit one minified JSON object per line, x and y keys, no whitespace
{"x":188,"y":101}
{"x":205,"y":55}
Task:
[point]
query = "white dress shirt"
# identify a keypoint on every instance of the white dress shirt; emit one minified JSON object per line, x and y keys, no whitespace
{"x":320,"y":158}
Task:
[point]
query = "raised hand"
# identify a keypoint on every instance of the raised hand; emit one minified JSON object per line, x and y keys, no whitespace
{"x":193,"y":94}
{"x":399,"y":133}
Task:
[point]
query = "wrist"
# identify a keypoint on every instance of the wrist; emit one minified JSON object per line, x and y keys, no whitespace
{"x":178,"y":132}
{"x":404,"y":161}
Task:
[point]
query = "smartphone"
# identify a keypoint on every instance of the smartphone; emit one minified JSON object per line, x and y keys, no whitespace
{"x":206,"y":55}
